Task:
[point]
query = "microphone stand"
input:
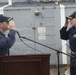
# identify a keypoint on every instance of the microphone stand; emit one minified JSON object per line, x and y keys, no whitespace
{"x":58,"y":52}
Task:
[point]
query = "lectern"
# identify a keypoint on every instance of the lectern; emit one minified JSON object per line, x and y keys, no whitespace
{"x":32,"y":64}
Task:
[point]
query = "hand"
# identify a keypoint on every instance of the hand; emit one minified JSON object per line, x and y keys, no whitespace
{"x":66,"y":23}
{"x":11,"y":25}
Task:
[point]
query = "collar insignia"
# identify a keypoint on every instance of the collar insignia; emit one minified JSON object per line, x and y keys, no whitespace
{"x":74,"y":35}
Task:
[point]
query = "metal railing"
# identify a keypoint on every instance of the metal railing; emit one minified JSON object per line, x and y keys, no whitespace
{"x":19,"y":1}
{"x":58,"y":1}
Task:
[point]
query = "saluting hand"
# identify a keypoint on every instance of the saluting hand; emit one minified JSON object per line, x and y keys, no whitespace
{"x":11,"y":25}
{"x":66,"y":22}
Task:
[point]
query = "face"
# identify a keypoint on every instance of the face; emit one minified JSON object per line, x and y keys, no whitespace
{"x":4,"y":26}
{"x":73,"y":22}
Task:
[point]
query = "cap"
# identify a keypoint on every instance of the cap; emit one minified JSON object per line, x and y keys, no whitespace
{"x":5,"y":18}
{"x":73,"y":15}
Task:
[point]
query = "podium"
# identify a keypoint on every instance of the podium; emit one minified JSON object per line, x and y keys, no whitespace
{"x":31,"y":64}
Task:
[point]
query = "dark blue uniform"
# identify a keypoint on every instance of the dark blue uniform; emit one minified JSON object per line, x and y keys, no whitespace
{"x":6,"y":42}
{"x":71,"y":35}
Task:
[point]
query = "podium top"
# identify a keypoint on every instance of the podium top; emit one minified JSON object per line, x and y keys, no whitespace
{"x":27,"y":56}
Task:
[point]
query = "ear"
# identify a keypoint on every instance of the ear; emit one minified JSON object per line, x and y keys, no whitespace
{"x":0,"y":24}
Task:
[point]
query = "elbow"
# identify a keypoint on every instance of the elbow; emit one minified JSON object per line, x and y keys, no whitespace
{"x":64,"y":38}
{"x":10,"y":44}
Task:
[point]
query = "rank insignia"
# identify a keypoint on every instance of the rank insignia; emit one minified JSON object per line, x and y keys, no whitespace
{"x":74,"y":35}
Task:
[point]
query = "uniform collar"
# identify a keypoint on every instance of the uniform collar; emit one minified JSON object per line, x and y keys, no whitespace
{"x":1,"y":33}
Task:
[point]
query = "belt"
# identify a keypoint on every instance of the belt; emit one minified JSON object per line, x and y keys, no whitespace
{"x":73,"y":52}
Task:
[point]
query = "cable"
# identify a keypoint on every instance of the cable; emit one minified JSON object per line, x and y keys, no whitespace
{"x":31,"y":47}
{"x":27,"y":44}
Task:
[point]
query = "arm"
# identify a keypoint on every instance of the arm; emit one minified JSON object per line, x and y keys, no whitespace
{"x":7,"y":42}
{"x":10,"y":40}
{"x":64,"y":34}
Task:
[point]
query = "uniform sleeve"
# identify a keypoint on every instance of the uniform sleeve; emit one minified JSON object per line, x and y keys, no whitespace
{"x":64,"y":34}
{"x":11,"y":38}
{"x":7,"y":42}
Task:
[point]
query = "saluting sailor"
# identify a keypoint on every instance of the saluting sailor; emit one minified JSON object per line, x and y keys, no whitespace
{"x":70,"y":35}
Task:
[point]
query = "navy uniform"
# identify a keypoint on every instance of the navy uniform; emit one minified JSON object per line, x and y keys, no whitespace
{"x":6,"y":42}
{"x":71,"y":35}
